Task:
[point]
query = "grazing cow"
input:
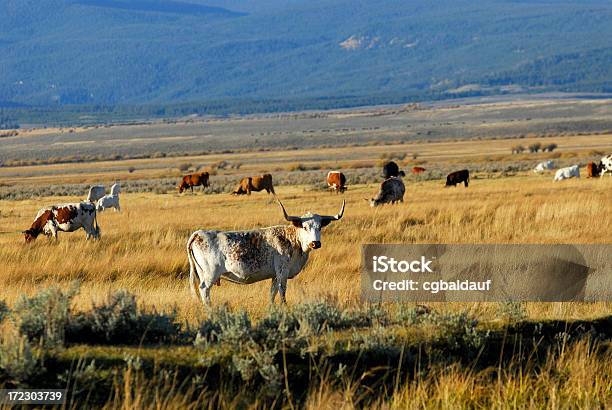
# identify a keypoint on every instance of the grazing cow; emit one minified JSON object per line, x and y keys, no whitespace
{"x":277,"y":252}
{"x":567,"y":173}
{"x":115,"y":189}
{"x":191,"y":180}
{"x":256,"y":183}
{"x":390,"y":169}
{"x":336,"y":181}
{"x":593,"y":169}
{"x":418,"y":170}
{"x":458,"y":177}
{"x":391,"y":191}
{"x":544,"y":166}
{"x":65,"y":218}
{"x":110,"y":201}
{"x":96,"y":192}
{"x":606,"y":165}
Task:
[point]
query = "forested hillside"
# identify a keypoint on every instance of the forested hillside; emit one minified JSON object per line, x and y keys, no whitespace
{"x":168,"y":52}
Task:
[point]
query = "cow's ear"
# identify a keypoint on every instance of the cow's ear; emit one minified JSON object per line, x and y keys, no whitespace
{"x":297,"y":224}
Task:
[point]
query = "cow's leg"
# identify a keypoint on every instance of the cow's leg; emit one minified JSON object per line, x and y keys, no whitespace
{"x":281,"y":266}
{"x":282,"y":288}
{"x":205,"y":294}
{"x":273,"y":291}
{"x":54,"y":230}
{"x":207,"y":281}
{"x":118,"y":208}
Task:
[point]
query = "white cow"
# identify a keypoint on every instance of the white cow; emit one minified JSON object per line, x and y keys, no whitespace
{"x":96,"y":192}
{"x":544,"y":166}
{"x":567,"y":173}
{"x":110,"y":201}
{"x":606,"y":165}
{"x":278,"y":253}
{"x":115,"y":189}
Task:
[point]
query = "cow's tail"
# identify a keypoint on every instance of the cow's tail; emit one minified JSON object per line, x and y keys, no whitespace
{"x":96,"y":226}
{"x":193,"y":265}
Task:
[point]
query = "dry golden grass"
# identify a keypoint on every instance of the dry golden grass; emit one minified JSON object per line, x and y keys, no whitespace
{"x":585,"y":384}
{"x":143,"y":247}
{"x":573,"y":377}
{"x":344,"y":157}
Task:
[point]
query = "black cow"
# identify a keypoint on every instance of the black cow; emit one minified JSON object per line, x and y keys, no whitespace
{"x":458,"y":177}
{"x":390,"y":169}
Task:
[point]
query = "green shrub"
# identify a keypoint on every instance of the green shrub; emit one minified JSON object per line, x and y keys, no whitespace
{"x":118,"y":321}
{"x":19,"y":363}
{"x":44,"y":316}
{"x":223,"y":324}
{"x":513,"y":311}
{"x":4,"y":310}
{"x":371,"y":315}
{"x":318,"y":317}
{"x":458,"y":331}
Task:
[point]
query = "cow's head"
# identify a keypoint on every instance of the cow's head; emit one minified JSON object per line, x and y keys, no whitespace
{"x":30,"y":235}
{"x":309,"y":226}
{"x":242,"y":187}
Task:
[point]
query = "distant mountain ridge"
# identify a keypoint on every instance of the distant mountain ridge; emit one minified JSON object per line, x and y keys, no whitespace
{"x":65,"y":52}
{"x":160,"y":6}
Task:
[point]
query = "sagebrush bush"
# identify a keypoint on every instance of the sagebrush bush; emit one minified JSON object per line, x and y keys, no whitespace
{"x":43,"y":317}
{"x":119,"y":321}
{"x":513,"y":311}
{"x":19,"y":362}
{"x":458,"y":331}
{"x":318,"y":317}
{"x":4,"y":310}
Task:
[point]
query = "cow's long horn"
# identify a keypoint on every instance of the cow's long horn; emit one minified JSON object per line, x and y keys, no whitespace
{"x":339,"y":215}
{"x":288,"y":217}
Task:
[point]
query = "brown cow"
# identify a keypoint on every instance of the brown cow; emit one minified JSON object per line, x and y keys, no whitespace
{"x":593,"y":169}
{"x":336,"y":181}
{"x":191,"y":180}
{"x":256,"y":183}
{"x":418,"y":170}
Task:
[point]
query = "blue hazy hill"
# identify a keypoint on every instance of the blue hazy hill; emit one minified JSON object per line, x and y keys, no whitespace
{"x":161,"y":51}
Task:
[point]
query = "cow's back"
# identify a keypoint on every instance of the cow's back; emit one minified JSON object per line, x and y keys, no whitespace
{"x":96,"y":192}
{"x":391,"y":169}
{"x":336,"y":179}
{"x":392,"y":189}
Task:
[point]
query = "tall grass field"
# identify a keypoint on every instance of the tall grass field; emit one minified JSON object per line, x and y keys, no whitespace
{"x":113,"y":321}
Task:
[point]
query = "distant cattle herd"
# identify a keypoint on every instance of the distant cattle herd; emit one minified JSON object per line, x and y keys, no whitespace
{"x":278,"y":252}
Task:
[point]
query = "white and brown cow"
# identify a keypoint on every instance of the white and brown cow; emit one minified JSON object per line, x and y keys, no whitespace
{"x":278,"y":253}
{"x":336,"y":181}
{"x":605,"y":165}
{"x":65,"y":218}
